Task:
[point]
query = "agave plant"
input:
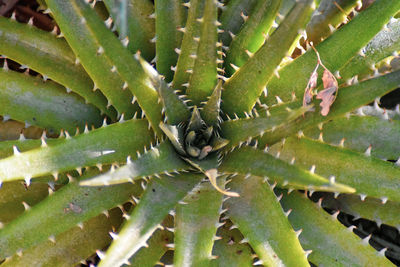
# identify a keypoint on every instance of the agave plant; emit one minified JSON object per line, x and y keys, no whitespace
{"x":193,"y":144}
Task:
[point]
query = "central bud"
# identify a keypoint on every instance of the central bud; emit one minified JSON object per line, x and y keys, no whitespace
{"x":197,"y":143}
{"x":194,"y":139}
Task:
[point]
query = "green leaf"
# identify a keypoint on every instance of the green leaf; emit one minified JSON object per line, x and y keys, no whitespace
{"x":77,"y":243}
{"x":140,"y":26}
{"x":229,"y":251}
{"x":196,"y":225}
{"x":348,"y":99}
{"x":90,"y":52}
{"x":6,"y":147}
{"x":157,"y":246}
{"x":328,"y":13}
{"x":335,"y":51}
{"x":368,"y":175}
{"x":250,"y":161}
{"x":196,"y":123}
{"x":105,"y":145}
{"x":120,"y":58}
{"x":360,"y":132}
{"x":46,"y":104}
{"x":175,"y":109}
{"x":243,"y":89}
{"x":210,"y":112}
{"x":176,"y":135}
{"x":232,"y":130}
{"x":159,"y":198}
{"x":370,"y":208}
{"x":189,"y":45}
{"x":259,"y":216}
{"x":380,"y":47}
{"x":251,"y":35}
{"x":59,"y":212}
{"x":284,"y":9}
{"x":331,"y":243}
{"x":159,"y":159}
{"x":170,"y":17}
{"x":230,"y":17}
{"x":204,"y":78}
{"x":13,"y":194}
{"x":50,"y":56}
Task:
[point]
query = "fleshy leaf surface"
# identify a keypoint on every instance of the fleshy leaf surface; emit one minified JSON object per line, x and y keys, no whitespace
{"x":259,"y":216}
{"x":331,"y":243}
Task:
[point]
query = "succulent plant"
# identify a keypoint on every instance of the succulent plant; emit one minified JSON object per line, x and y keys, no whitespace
{"x":193,"y":145}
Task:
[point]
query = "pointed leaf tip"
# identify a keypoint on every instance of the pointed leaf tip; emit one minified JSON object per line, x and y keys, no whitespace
{"x":212,"y":175}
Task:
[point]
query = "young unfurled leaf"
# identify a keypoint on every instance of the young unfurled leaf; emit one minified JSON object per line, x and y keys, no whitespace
{"x":328,"y":95}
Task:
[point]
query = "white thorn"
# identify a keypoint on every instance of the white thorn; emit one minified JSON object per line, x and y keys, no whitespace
{"x":108,"y":22}
{"x":16,"y":151}
{"x":13,"y":15}
{"x":312,"y":169}
{"x":52,"y":239}
{"x":278,"y":100}
{"x":27,"y":180}
{"x":368,"y":151}
{"x":365,"y":240}
{"x":113,"y":235}
{"x":125,"y":41}
{"x":30,"y":22}
{"x":21,"y":137}
{"x":342,"y":142}
{"x":5,"y":65}
{"x":335,"y":214}
{"x":26,"y":206}
{"x":382,"y":252}
{"x":259,"y":262}
{"x":100,"y":254}
{"x":321,"y":138}
{"x":331,"y":28}
{"x":287,"y":213}
{"x":100,"y":50}
{"x":250,"y":54}
{"x":298,"y":232}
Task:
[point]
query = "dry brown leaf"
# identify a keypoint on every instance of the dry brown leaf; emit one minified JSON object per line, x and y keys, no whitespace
{"x":312,"y":83}
{"x":328,"y":79}
{"x":328,"y":95}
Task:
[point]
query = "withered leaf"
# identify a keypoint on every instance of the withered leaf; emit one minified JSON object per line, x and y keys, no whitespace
{"x":328,"y":79}
{"x":328,"y":95}
{"x":312,"y":83}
